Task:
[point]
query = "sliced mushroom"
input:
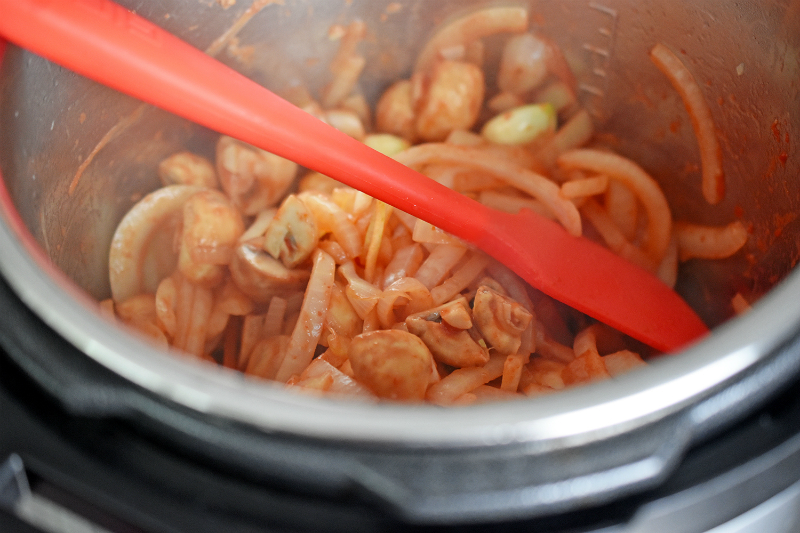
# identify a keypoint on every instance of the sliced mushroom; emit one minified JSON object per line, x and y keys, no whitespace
{"x":500,"y":320}
{"x":450,"y":99}
{"x":292,"y":235}
{"x":211,"y":230}
{"x":395,"y":111}
{"x":261,"y":276}
{"x":448,"y":344}
{"x":393,"y":364}
{"x":253,"y":178}
{"x":457,"y":316}
{"x":186,"y":168}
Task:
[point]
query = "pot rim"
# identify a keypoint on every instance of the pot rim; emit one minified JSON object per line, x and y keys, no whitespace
{"x":578,"y":415}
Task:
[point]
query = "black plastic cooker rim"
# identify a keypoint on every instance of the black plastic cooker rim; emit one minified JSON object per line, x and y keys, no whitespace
{"x":67,"y":451}
{"x":325,"y":469}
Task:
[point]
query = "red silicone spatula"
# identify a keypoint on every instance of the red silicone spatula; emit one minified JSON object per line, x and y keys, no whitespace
{"x":105,"y":42}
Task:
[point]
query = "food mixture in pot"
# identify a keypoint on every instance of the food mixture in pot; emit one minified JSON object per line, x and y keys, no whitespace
{"x":326,"y":290}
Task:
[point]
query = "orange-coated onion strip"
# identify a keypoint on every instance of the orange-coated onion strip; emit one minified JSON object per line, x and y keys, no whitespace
{"x":474,"y":26}
{"x":713,"y":178}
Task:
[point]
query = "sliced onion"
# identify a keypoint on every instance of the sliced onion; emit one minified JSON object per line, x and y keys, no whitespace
{"x":436,"y":266}
{"x":577,"y":131}
{"x":613,"y":236}
{"x":166,"y":304}
{"x":259,"y":226}
{"x":132,"y":238}
{"x":551,"y":349}
{"x":363,"y":296}
{"x":512,"y":204}
{"x":231,"y":300}
{"x":709,"y":242}
{"x":713,"y":177}
{"x":512,"y":372}
{"x":444,"y":174}
{"x":335,"y":250}
{"x":349,"y":38}
{"x":659,"y":223}
{"x":344,"y":81}
{"x":464,"y":380}
{"x":487,"y":393}
{"x":198,"y":324}
{"x":622,"y":207}
{"x":385,"y":308}
{"x":273,"y":320}
{"x":558,"y":94}
{"x":739,"y":304}
{"x":621,"y":362}
{"x":266,"y":356}
{"x":502,"y":102}
{"x":668,"y":268}
{"x":341,"y":383}
{"x":251,"y":333}
{"x":427,"y":233}
{"x":546,"y":373}
{"x":309,"y":325}
{"x":406,"y":294}
{"x":405,"y":262}
{"x":183,"y":312}
{"x":586,"y":340}
{"x":376,"y":234}
{"x":228,"y":301}
{"x":472,"y":27}
{"x":584,"y":187}
{"x":465,"y":138}
{"x":522,"y":178}
{"x":461,"y":278}
{"x":332,"y":218}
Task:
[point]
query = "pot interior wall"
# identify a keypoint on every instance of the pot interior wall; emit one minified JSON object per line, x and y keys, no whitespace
{"x":76,"y":156}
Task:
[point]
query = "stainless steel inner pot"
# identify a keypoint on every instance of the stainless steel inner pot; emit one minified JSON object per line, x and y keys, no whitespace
{"x":55,"y":126}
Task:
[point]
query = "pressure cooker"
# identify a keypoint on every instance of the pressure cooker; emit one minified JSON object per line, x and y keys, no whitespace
{"x":102,"y":431}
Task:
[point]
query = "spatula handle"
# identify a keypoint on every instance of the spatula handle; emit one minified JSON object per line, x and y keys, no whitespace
{"x":109,"y":44}
{"x":113,"y":46}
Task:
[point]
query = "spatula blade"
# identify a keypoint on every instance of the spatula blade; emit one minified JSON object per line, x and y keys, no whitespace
{"x":593,"y":280}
